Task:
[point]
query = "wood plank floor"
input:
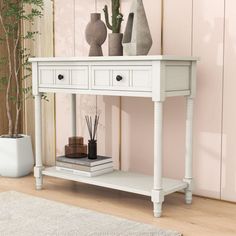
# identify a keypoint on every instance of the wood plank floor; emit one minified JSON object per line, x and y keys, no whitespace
{"x":205,"y":217}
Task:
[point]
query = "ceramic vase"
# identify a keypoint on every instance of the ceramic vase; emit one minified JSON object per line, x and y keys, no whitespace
{"x":96,"y":34}
{"x":92,"y":149}
{"x":137,"y":37}
{"x":115,"y":44}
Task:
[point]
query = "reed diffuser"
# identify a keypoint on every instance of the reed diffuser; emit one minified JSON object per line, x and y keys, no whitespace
{"x":92,"y":129}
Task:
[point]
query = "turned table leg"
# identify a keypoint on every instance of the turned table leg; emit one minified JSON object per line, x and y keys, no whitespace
{"x":73,"y":115}
{"x":38,"y":143}
{"x":157,"y":192}
{"x":188,"y":178}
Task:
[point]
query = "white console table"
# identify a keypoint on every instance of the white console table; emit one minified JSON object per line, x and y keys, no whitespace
{"x":156,"y":77}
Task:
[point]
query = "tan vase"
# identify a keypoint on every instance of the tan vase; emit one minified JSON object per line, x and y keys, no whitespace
{"x":96,"y":34}
{"x":115,"y":44}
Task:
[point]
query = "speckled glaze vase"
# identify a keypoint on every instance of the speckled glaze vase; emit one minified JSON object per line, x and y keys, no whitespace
{"x":115,"y":44}
{"x":137,"y":38}
{"x":96,"y":34}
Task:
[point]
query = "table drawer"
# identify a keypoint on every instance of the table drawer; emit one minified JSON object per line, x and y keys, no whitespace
{"x":63,"y":77}
{"x":128,"y":78}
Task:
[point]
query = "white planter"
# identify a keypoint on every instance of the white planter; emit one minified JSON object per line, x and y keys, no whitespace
{"x":16,"y":156}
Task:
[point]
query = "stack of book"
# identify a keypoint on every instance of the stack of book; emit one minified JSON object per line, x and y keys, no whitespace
{"x":84,"y":166}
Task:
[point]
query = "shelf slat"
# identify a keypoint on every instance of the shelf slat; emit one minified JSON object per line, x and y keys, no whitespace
{"x":120,"y":180}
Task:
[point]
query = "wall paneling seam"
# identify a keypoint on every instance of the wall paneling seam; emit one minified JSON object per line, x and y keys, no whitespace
{"x":74,"y":27}
{"x":162,"y":26}
{"x":54,"y":96}
{"x":192,"y":29}
{"x":222,"y":101}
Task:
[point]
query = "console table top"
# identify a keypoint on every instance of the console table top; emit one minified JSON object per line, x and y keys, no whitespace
{"x":116,"y":58}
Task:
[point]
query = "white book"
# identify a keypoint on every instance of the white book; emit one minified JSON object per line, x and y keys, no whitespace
{"x":84,"y":168}
{"x":84,"y":173}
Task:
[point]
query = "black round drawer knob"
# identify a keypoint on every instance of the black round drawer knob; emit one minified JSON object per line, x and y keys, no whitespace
{"x":119,"y":78}
{"x":60,"y":77}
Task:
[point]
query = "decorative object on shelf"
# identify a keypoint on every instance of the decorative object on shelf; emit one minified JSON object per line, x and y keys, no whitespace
{"x":92,"y":149}
{"x":85,"y":166}
{"x":92,"y":143}
{"x":16,"y":155}
{"x":76,"y":148}
{"x":96,"y":34}
{"x":115,"y":47}
{"x":137,"y":37}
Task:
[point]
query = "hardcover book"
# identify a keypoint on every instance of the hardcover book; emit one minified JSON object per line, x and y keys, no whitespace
{"x":85,"y":161}
{"x":84,"y":173}
{"x":84,"y":168}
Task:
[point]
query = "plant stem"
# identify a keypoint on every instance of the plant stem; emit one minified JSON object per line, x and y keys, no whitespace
{"x":9,"y":116}
{"x":18,"y":107}
{"x":109,"y":26}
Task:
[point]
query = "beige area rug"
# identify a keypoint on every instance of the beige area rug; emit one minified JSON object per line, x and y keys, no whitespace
{"x":25,"y":215}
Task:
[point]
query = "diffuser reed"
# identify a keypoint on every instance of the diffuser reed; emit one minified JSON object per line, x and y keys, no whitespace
{"x":92,"y":129}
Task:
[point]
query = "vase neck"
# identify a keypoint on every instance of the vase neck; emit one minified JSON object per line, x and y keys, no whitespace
{"x":95,"y":16}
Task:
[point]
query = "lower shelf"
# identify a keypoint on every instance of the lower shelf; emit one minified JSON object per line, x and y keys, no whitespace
{"x":120,"y":180}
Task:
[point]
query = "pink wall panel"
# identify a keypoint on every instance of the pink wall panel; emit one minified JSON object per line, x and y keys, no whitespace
{"x":64,"y":28}
{"x":208,"y":23}
{"x":177,"y":41}
{"x":228,"y":183}
{"x":137,"y":113}
{"x":64,"y":46}
{"x":177,"y":27}
{"x":137,"y":135}
{"x":99,"y":7}
{"x":82,"y":12}
{"x":153,"y":11}
{"x":86,"y":105}
{"x":108,"y":107}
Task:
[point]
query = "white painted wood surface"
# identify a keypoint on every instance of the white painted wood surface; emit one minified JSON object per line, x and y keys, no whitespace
{"x":43,"y":46}
{"x":121,"y":180}
{"x":115,"y":58}
{"x":38,"y":141}
{"x":156,"y":65}
{"x":189,"y":151}
{"x":157,"y":193}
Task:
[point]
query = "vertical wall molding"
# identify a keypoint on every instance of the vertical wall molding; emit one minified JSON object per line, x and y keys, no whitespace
{"x":43,"y":46}
{"x":222,"y":104}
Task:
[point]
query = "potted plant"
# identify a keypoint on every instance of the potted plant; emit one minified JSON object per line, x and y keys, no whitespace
{"x":16,"y":156}
{"x":115,"y":38}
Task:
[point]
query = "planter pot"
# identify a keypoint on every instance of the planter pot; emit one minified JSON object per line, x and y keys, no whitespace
{"x":96,"y":34}
{"x":137,"y":37}
{"x":115,"y":44}
{"x":16,"y":156}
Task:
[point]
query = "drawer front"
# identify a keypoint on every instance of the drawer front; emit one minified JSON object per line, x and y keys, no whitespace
{"x":63,"y":77}
{"x":122,"y":78}
{"x":142,"y":79}
{"x":177,"y":77}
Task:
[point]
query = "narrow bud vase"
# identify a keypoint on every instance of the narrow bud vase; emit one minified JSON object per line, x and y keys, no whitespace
{"x":92,"y":149}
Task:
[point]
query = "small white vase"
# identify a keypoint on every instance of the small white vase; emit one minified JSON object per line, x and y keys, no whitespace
{"x":137,"y":38}
{"x":16,"y":156}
